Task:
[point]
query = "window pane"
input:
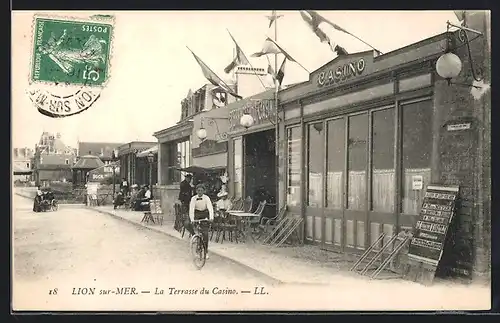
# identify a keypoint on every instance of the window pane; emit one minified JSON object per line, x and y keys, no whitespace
{"x":238,"y":162}
{"x":417,"y":149}
{"x":335,"y":163}
{"x":315,"y":164}
{"x":383,"y":172}
{"x":358,"y":134}
{"x":294,"y":168}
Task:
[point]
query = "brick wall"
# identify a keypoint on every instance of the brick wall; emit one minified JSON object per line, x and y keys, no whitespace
{"x":464,"y":155}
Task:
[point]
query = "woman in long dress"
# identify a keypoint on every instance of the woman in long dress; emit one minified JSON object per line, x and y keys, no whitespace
{"x":37,"y":203}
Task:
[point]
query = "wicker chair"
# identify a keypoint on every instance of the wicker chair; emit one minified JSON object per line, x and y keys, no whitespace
{"x":248,"y":204}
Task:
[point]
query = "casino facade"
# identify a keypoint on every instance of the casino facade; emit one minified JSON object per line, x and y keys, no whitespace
{"x":361,"y":140}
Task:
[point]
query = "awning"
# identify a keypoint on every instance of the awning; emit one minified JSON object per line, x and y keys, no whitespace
{"x":88,"y":162}
{"x":200,"y":170}
{"x":21,"y":171}
{"x":146,"y":152}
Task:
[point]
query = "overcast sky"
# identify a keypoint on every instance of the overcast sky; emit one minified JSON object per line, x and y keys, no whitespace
{"x":152,"y":70}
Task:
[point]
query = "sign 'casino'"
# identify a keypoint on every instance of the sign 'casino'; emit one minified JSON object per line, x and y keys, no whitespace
{"x":341,"y":73}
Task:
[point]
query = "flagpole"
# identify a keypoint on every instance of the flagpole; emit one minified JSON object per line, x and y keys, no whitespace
{"x":276,"y":119}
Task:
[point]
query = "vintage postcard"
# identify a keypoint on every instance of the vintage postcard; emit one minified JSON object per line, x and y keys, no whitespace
{"x":174,"y":161}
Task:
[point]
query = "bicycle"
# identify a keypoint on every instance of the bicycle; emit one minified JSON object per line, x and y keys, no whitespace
{"x":197,"y":246}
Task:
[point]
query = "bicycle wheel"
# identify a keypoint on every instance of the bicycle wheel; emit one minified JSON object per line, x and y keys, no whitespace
{"x":198,"y":251}
{"x":55,"y":206}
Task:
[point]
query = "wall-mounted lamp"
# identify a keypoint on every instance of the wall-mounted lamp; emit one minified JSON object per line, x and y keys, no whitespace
{"x":202,"y":132}
{"x":449,"y":65}
{"x":247,"y":119}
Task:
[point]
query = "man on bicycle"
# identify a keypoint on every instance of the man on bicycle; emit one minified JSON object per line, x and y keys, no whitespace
{"x":201,"y":207}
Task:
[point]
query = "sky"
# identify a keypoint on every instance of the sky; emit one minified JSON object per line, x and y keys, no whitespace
{"x":152,"y":70}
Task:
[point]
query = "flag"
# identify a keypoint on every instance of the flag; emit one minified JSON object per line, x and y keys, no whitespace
{"x":212,"y":77}
{"x":281,"y":73}
{"x":460,"y":14}
{"x":272,"y":18}
{"x":317,"y":19}
{"x":314,"y":25}
{"x":239,"y":59}
{"x":271,"y":47}
{"x":270,"y":70}
{"x":268,"y":48}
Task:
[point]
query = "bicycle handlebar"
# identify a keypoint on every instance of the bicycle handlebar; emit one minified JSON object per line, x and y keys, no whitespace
{"x":198,"y":221}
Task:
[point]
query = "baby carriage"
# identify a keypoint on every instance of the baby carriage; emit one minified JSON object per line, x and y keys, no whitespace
{"x":49,"y":203}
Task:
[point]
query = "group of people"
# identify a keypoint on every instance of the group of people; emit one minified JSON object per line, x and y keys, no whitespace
{"x":138,"y":197}
{"x":197,"y":205}
{"x":43,"y":200}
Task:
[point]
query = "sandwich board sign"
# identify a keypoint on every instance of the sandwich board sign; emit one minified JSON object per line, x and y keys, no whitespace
{"x":430,"y":231}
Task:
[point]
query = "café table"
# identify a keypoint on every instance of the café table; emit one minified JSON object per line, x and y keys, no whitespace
{"x":243,"y":220}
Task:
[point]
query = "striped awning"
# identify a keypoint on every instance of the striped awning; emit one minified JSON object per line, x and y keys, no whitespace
{"x":146,"y":152}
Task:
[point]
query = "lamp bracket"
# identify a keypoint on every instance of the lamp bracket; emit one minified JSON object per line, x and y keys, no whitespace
{"x":464,"y":38}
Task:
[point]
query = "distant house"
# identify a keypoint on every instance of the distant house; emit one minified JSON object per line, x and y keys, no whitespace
{"x":52,"y":160}
{"x":103,"y":150}
{"x":22,"y":159}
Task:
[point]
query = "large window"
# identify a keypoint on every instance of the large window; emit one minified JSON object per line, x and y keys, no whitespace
{"x":178,"y":156}
{"x":294,"y":167}
{"x":238,"y":167}
{"x":383,"y":170}
{"x":357,"y":162}
{"x":417,"y":150}
{"x":335,"y":163}
{"x":315,"y":159}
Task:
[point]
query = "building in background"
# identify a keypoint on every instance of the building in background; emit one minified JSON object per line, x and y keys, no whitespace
{"x":135,"y":168}
{"x":103,"y":150}
{"x":52,"y":160}
{"x":22,"y":164}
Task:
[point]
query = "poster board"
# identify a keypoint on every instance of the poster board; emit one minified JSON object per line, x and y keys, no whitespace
{"x":431,"y":229}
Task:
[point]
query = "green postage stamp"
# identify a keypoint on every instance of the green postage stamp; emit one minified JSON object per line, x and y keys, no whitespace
{"x":71,"y":52}
{"x":70,"y":62}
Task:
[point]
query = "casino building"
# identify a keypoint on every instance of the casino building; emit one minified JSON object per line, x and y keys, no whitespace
{"x":361,"y":140}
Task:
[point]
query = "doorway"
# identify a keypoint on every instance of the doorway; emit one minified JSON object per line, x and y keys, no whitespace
{"x":260,"y":167}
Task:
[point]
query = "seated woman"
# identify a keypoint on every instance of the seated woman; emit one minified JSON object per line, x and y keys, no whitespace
{"x":223,"y":204}
{"x":37,"y":203}
{"x":119,"y":200}
{"x":133,"y":196}
{"x":142,"y":201}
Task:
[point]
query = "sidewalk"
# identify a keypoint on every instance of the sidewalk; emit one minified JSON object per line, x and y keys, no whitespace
{"x":295,"y":265}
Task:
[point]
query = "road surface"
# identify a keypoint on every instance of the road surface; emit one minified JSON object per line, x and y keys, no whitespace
{"x":76,"y":250}
{"x":100,"y":263}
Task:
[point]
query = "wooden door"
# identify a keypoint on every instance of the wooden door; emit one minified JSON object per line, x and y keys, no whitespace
{"x":315,"y":182}
{"x":334,"y":196}
{"x":356,"y":202}
{"x":382,"y":177}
